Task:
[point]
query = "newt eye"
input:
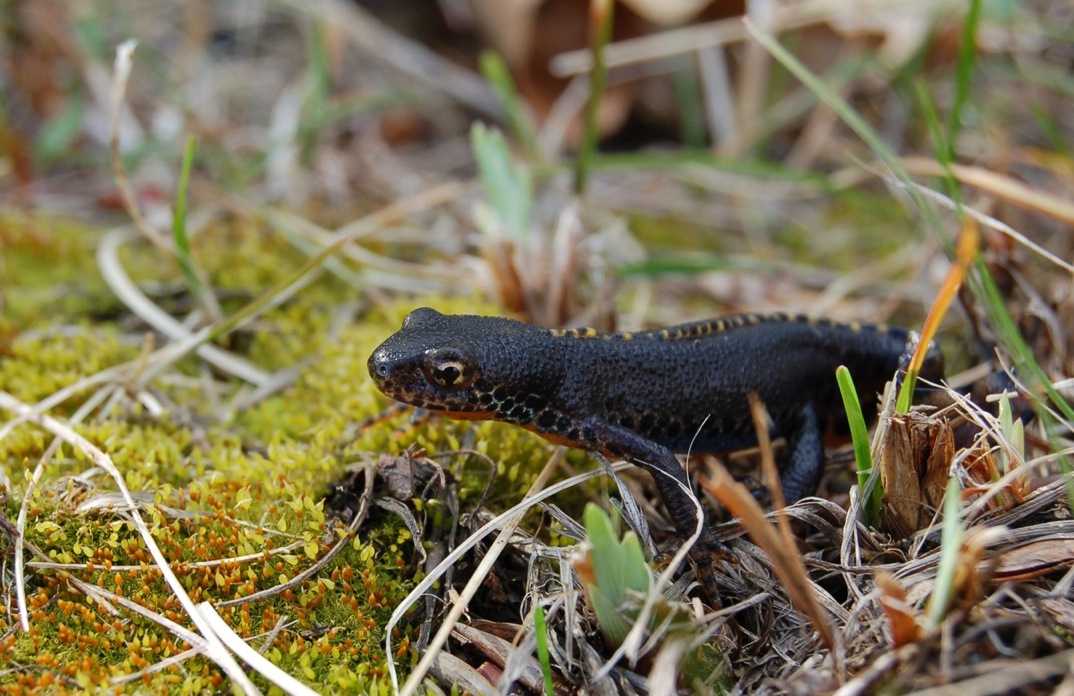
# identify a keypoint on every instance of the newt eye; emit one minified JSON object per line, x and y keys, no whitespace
{"x":449,"y":371}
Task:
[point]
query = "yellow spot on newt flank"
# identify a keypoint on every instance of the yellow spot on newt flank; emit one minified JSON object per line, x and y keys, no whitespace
{"x":665,"y":334}
{"x":626,"y":335}
{"x":588,"y":332}
{"x":855,"y":326}
{"x":752,"y":318}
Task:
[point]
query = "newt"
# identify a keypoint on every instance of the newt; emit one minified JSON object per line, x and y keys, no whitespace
{"x":645,"y":396}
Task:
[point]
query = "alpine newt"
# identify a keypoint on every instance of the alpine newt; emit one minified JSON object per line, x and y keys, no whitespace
{"x":644,"y":396}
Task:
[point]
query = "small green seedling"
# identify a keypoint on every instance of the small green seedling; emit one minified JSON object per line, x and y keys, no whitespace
{"x":619,"y":574}
{"x":872,"y":491}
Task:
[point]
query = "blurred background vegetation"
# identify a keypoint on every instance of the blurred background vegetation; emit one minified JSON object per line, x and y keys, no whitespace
{"x":289,"y":178}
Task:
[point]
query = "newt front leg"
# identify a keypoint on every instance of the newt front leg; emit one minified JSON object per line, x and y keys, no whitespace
{"x":674,"y":488}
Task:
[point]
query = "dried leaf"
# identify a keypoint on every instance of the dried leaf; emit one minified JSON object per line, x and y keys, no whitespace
{"x":1035,"y":559}
{"x":973,"y":577}
{"x":902,"y":619}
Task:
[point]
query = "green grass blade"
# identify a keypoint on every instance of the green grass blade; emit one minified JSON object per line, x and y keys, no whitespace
{"x":540,"y":628}
{"x":509,"y":187}
{"x":182,"y":244}
{"x":519,"y":122}
{"x":1012,"y":339}
{"x":597,"y":78}
{"x":950,"y":552}
{"x":743,"y":166}
{"x":686,"y":82}
{"x":967,"y":58}
{"x":872,"y":492}
{"x":318,"y":78}
{"x":852,"y":119}
{"x":944,"y":153}
{"x":316,"y":118}
{"x":1037,"y":381}
{"x":1046,"y":121}
{"x":693,"y":264}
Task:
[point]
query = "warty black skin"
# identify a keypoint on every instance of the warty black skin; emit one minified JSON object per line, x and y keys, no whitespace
{"x":644,"y":396}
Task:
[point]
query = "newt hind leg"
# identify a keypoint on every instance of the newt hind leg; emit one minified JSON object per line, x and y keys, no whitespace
{"x":801,"y":473}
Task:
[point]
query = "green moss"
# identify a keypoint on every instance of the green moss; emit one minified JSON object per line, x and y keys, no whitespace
{"x":236,"y":504}
{"x":39,"y":365}
{"x":225,"y":541}
{"x":859,"y":227}
{"x":680,"y":236}
{"x":244,"y":260}
{"x":48,"y":275}
{"x":234,"y":499}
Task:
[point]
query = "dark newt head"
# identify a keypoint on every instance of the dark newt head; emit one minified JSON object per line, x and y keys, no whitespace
{"x":463,"y":366}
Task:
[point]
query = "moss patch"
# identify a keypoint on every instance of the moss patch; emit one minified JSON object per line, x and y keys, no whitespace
{"x":234,"y":496}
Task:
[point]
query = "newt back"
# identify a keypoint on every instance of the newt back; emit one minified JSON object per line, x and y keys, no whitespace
{"x":682,"y":387}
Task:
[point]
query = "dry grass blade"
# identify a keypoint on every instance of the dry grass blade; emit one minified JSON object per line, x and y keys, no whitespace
{"x":188,"y":636}
{"x":299,"y":578}
{"x":986,"y":220}
{"x":886,"y":663}
{"x":409,"y":57}
{"x":130,"y":199}
{"x":471,"y":541}
{"x":502,"y":652}
{"x":266,"y":669}
{"x":137,"y":302}
{"x":380,"y":270}
{"x":1017,"y":678}
{"x":277,"y":551}
{"x":457,"y":672}
{"x":477,"y":536}
{"x":1002,"y":187}
{"x":102,"y":595}
{"x":675,"y":42}
{"x":786,"y":562}
{"x":20,"y":541}
{"x":510,"y":523}
{"x":156,"y":667}
{"x":58,"y":397}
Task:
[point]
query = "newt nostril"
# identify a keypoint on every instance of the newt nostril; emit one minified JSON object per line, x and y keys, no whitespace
{"x":379,"y":365}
